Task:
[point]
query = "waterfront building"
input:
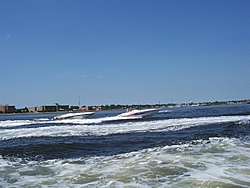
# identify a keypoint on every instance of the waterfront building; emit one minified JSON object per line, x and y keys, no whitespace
{"x":7,"y":108}
{"x":54,"y":107}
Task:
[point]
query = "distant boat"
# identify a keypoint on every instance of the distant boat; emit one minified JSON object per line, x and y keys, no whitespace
{"x":79,"y":115}
{"x":136,"y":113}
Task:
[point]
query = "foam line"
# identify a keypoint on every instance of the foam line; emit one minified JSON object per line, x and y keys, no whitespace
{"x":82,"y":127}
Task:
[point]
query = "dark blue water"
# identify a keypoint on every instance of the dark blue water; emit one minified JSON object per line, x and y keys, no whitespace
{"x":42,"y":147}
{"x":205,"y":146}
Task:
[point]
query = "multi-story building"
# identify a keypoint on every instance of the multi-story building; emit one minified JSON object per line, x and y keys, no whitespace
{"x":62,"y":107}
{"x":7,"y":108}
{"x":53,"y":107}
{"x":33,"y":109}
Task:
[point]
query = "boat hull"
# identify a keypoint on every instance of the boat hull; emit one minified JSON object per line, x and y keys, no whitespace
{"x":80,"y":115}
{"x":146,"y":113}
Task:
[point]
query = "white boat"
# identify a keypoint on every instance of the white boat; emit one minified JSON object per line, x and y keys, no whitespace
{"x":136,"y":113}
{"x":73,"y":115}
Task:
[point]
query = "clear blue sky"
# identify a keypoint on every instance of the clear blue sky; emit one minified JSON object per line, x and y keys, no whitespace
{"x":124,"y":52}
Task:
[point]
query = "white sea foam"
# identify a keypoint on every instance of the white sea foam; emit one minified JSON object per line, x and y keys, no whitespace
{"x":219,"y":162}
{"x":91,"y":127}
{"x":14,"y":123}
{"x":165,"y":111}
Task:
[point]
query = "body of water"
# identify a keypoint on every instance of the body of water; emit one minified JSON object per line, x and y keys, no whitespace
{"x":205,"y":146}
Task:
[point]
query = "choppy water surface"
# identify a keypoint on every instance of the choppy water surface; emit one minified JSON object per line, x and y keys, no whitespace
{"x":179,"y":147}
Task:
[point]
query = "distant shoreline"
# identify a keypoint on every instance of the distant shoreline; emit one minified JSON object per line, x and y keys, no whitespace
{"x":27,"y":113}
{"x":123,"y":107}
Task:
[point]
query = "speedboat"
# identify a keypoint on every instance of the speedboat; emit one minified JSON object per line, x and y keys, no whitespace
{"x":136,"y":113}
{"x":78,"y":115}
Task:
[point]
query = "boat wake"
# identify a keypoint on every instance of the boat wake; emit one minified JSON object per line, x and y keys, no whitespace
{"x":87,"y":127}
{"x":188,"y":147}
